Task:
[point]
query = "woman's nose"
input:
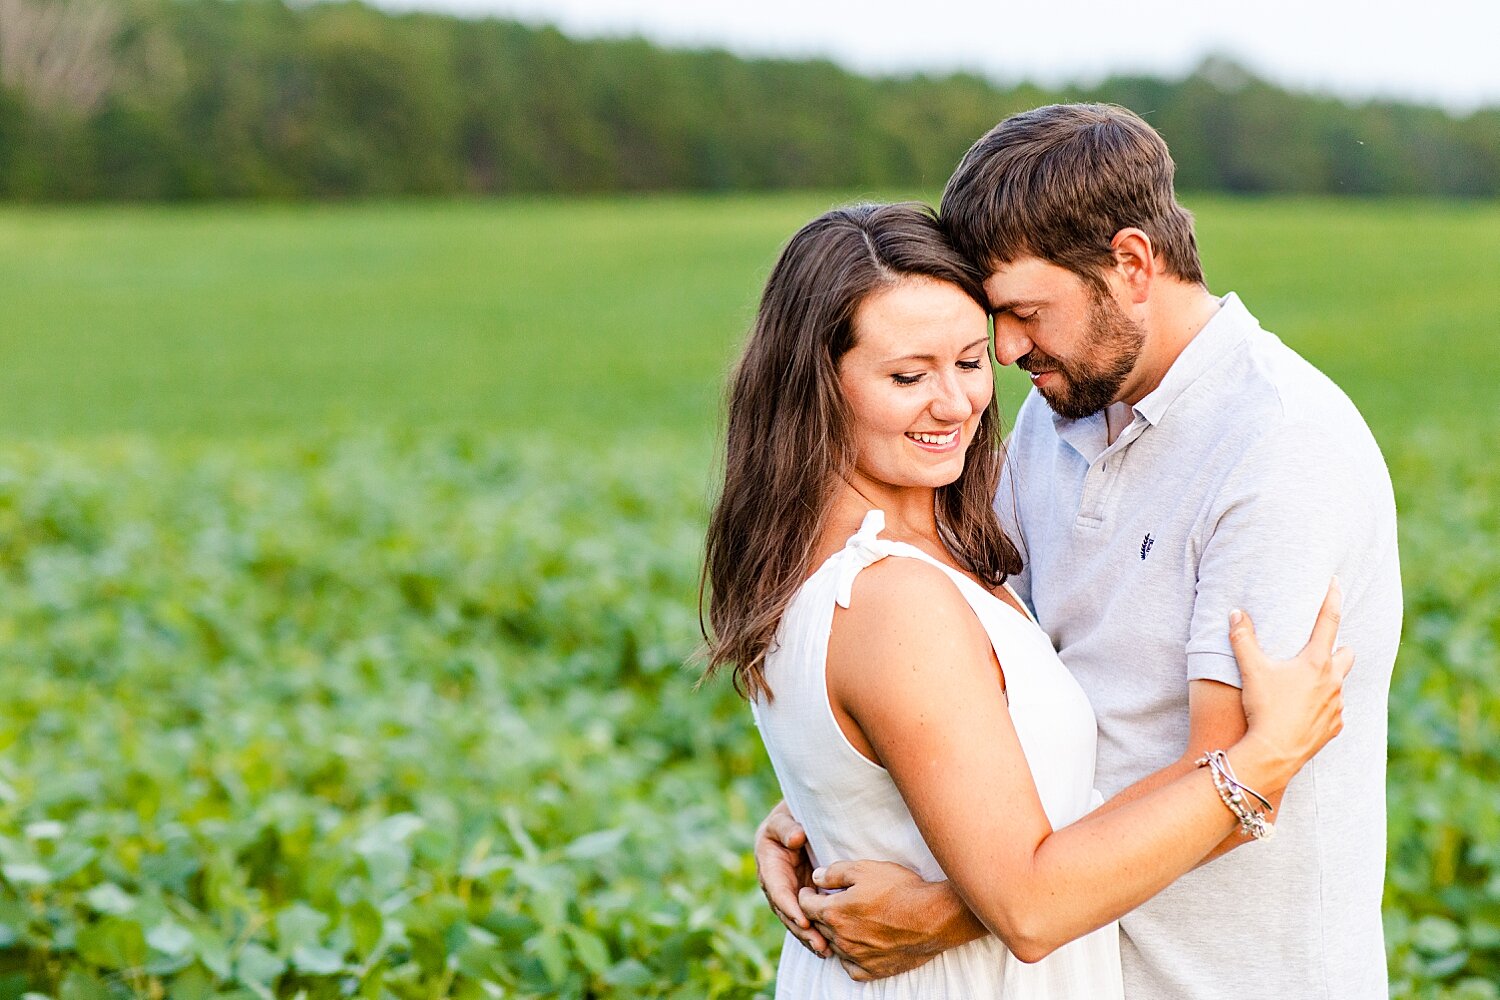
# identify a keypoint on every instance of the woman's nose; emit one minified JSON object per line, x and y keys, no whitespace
{"x":951,"y":403}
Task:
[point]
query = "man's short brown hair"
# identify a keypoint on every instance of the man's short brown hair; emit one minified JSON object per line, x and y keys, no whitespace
{"x":1059,"y":182}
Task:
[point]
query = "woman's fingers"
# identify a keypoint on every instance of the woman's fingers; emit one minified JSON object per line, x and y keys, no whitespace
{"x":1326,"y":629}
{"x":1343,"y":661}
{"x":1242,"y":640}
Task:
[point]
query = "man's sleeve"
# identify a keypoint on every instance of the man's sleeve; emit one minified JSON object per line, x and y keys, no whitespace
{"x":1287,"y":520}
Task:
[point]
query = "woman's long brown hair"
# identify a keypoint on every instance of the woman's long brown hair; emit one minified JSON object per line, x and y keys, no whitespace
{"x":789,"y":440}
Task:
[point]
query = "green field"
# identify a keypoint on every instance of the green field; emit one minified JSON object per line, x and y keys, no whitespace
{"x":582,"y":315}
{"x":348,"y":572}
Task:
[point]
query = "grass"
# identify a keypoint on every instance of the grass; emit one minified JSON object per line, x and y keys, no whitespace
{"x":1398,"y":301}
{"x":619,"y":314}
{"x":233,"y":320}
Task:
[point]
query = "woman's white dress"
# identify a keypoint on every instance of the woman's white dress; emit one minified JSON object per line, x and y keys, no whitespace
{"x":852,"y":810}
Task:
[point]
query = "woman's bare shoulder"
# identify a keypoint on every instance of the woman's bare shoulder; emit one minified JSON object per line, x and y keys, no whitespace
{"x":905,"y":610}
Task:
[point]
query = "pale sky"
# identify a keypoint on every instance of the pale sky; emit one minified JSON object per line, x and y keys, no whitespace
{"x":1433,"y":51}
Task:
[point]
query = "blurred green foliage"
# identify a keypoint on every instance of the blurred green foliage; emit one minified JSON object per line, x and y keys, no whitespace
{"x":262,"y":98}
{"x":374,"y":716}
{"x":407,"y":715}
{"x":1443,"y":875}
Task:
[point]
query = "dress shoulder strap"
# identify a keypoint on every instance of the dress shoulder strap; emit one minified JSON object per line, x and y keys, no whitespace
{"x":865,"y":548}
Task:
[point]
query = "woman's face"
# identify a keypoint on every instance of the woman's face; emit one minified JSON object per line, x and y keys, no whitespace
{"x":918,"y":380}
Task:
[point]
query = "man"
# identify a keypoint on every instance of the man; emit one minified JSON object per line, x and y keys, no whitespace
{"x":1175,"y":461}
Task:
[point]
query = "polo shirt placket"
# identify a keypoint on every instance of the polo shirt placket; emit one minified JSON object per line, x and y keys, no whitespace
{"x":1105,"y":464}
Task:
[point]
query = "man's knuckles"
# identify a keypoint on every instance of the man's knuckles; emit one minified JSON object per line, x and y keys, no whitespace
{"x":857,"y":973}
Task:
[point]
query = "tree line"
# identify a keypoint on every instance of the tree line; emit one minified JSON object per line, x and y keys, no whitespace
{"x":190,"y":99}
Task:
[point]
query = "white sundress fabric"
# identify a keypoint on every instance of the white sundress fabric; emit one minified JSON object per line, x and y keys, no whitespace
{"x":852,"y":810}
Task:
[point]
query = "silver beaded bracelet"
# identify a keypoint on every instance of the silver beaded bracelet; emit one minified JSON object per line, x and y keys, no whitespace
{"x":1253,"y":822}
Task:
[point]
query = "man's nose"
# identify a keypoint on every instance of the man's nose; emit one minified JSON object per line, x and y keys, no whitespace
{"x":1010,"y":345}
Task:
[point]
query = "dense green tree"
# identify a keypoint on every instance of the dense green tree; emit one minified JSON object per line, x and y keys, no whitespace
{"x":172,"y":99}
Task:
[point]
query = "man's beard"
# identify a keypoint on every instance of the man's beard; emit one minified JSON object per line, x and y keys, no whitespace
{"x":1092,"y":382}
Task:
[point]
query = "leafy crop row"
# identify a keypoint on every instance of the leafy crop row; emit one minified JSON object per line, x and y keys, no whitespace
{"x":372,"y":717}
{"x":1443,"y":874}
{"x":388,"y":716}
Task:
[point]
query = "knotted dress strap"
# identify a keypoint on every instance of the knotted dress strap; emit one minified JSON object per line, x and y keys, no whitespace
{"x":864,"y":548}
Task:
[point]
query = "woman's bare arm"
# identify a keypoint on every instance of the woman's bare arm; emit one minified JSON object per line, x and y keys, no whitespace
{"x":912,"y":667}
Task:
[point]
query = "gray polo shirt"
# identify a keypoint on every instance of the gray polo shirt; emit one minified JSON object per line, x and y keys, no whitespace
{"x":1246,"y":479}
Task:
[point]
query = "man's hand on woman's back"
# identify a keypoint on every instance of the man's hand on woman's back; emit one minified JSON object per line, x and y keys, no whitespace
{"x":782,"y":865}
{"x":884,"y":920}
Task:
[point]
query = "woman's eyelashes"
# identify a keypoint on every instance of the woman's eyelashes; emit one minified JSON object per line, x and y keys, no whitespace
{"x":968,"y":365}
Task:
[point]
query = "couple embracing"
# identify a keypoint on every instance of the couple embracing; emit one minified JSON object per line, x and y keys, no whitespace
{"x":1038,"y":709}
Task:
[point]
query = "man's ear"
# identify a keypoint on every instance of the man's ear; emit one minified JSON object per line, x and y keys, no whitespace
{"x":1135,"y":262}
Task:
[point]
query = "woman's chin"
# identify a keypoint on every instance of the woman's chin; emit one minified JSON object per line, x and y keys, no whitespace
{"x":916,"y":472}
{"x":936,"y":476}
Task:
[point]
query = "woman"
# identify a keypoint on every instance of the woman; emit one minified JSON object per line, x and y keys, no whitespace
{"x":912,"y":709}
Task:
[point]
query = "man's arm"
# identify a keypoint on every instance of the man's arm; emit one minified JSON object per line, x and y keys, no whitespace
{"x":888,"y":919}
{"x":1293,"y":512}
{"x":1286,"y":519}
{"x":782,"y":865}
{"x":896,"y":920}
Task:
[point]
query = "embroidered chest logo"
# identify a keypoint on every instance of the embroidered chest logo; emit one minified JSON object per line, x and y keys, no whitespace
{"x":1146,"y":544}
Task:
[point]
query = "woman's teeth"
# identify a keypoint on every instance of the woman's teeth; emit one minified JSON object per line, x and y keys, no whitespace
{"x":938,"y":439}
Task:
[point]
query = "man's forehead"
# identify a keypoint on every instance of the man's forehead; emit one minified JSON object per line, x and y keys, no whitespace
{"x":1026,"y":280}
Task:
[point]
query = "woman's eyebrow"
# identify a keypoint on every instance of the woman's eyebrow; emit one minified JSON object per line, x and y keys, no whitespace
{"x":933,"y":357}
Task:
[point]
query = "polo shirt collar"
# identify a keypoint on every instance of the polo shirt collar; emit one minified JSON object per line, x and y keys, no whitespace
{"x":1224,"y":330}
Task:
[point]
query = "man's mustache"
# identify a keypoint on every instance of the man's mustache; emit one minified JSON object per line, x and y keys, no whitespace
{"x":1035,"y":361}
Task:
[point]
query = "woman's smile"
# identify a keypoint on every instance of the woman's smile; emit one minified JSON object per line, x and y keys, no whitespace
{"x":935,"y":441}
